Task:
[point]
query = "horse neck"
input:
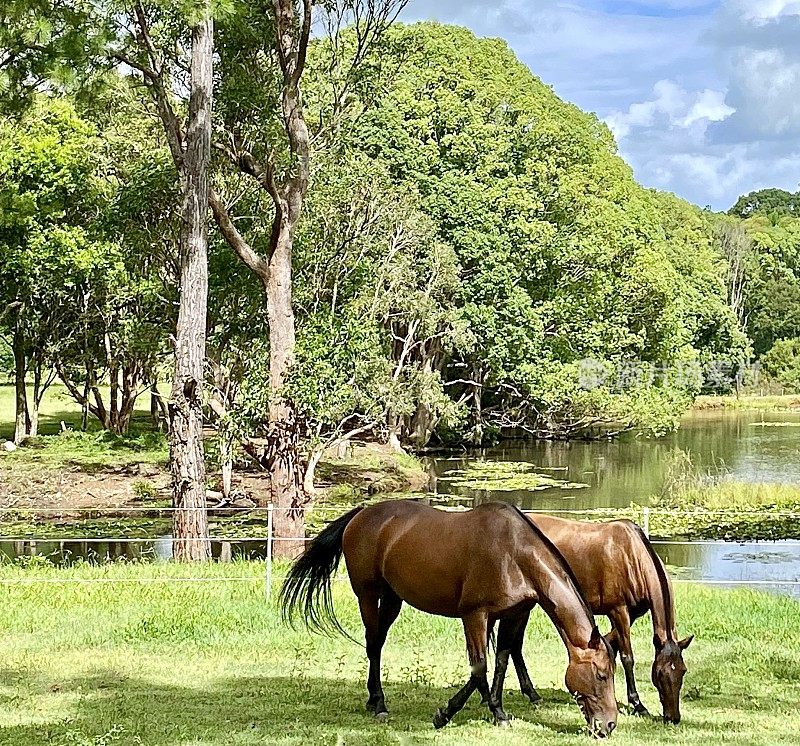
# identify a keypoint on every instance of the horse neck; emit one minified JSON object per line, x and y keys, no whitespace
{"x":561,"y":601}
{"x":661,"y":609}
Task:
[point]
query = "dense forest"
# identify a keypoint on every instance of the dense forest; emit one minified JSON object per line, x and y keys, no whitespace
{"x":472,"y":259}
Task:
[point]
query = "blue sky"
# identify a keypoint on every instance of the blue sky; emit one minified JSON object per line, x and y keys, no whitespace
{"x":702,"y":95}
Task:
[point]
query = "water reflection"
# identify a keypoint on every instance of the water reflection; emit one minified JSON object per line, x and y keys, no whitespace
{"x":749,"y":446}
{"x":743,"y":563}
{"x":158,"y":549}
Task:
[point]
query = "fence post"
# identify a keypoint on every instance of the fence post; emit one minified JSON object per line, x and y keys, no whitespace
{"x":268,"y":571}
{"x":646,"y":521}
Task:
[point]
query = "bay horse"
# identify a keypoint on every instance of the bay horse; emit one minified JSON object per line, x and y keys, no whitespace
{"x":622,"y":577}
{"x":484,"y":565}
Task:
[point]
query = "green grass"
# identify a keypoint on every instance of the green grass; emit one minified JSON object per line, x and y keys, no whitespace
{"x":59,"y":406}
{"x":91,"y":450}
{"x":770,"y":402}
{"x":727,"y":509}
{"x":207,"y":663}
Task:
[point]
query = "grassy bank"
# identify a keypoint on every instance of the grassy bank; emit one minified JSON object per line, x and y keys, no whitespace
{"x":210,"y":663}
{"x":727,"y":509}
{"x":77,"y":470}
{"x":769,"y":403}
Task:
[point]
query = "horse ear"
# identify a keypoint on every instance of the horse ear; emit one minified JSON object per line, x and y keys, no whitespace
{"x":596,"y":640}
{"x":683,"y":644}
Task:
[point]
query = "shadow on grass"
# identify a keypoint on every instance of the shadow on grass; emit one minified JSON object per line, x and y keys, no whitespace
{"x":107,"y":708}
{"x":237,"y":710}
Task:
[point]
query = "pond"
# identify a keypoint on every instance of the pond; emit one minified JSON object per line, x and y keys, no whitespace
{"x":749,"y":446}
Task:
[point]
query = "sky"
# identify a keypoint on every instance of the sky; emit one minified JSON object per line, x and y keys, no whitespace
{"x":703,"y":96}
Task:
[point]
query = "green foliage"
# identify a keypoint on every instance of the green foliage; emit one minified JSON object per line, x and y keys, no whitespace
{"x":782,"y":363}
{"x":561,"y":256}
{"x":774,"y":280}
{"x":768,"y":202}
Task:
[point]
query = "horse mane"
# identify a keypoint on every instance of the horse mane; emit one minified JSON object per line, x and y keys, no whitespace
{"x":662,"y":580}
{"x":553,"y":549}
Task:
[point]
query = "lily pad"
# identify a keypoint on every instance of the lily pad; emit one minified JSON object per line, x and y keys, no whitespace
{"x":506,"y":476}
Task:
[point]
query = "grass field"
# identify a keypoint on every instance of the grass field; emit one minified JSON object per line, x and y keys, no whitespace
{"x":173,"y":663}
{"x":59,"y":406}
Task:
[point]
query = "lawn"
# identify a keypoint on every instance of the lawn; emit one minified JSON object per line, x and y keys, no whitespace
{"x":57,"y":407}
{"x":168,"y":663}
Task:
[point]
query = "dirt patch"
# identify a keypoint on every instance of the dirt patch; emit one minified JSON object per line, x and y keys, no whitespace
{"x":365,"y":469}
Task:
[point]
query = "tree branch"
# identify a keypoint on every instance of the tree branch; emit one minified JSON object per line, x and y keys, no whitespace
{"x":235,"y":240}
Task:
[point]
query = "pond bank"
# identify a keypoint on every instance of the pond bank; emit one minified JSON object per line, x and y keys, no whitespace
{"x":99,"y":485}
{"x":756,"y":402}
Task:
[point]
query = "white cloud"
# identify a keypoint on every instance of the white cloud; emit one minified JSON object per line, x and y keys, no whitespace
{"x":759,"y":44}
{"x":709,"y":106}
{"x":764,"y":9}
{"x":671,"y":107}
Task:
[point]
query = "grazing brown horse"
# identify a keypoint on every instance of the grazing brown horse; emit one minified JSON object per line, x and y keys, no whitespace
{"x":481,"y":566}
{"x":622,"y":577}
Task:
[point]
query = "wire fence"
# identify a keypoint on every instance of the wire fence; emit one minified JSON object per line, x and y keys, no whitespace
{"x":269,"y":540}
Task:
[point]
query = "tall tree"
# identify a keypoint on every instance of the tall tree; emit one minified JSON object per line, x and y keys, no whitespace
{"x":186,"y":401}
{"x":263,"y":55}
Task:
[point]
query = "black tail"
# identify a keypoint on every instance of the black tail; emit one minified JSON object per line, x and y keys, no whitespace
{"x":308,"y":585}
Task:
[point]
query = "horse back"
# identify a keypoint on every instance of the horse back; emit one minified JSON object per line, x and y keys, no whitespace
{"x":442,"y":562}
{"x":609,"y":561}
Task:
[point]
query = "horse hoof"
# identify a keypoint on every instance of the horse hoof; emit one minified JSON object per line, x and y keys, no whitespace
{"x":533,"y":696}
{"x":440,"y":719}
{"x":382,"y":717}
{"x":641,"y":711}
{"x":504,"y":723}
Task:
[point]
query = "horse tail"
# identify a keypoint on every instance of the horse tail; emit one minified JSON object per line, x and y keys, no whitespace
{"x":307,"y":587}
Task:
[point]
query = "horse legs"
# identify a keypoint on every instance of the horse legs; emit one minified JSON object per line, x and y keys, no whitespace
{"x":378,"y":612}
{"x":525,"y":683}
{"x":475,"y":631}
{"x":621,"y":634}
{"x":510,"y":631}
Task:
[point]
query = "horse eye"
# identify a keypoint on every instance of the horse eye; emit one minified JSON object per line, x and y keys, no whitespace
{"x":601,"y":676}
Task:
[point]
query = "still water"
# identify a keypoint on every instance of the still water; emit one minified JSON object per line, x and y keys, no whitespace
{"x":747,"y":446}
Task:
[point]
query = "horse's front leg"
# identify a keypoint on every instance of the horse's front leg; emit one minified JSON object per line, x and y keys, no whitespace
{"x":620,"y":619}
{"x":509,"y":632}
{"x":525,"y":683}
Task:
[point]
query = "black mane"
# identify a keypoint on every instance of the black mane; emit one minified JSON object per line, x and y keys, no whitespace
{"x":560,"y":559}
{"x":662,"y":579}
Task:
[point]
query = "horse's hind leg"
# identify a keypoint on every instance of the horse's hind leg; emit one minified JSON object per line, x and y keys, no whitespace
{"x":475,"y":630}
{"x":379,"y":609}
{"x":525,"y":683}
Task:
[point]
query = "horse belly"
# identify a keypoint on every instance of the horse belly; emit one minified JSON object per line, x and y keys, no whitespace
{"x":426,"y":584}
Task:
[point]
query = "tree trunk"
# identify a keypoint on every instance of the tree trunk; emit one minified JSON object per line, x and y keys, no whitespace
{"x":285,"y":467}
{"x":226,"y":462}
{"x":22,"y":420}
{"x":393,"y":423}
{"x":190,"y":522}
{"x":38,"y":395}
{"x":311,"y":470}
